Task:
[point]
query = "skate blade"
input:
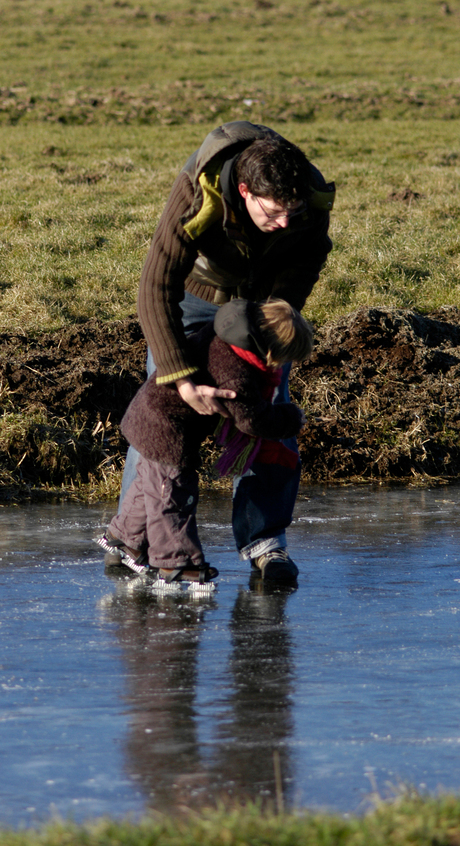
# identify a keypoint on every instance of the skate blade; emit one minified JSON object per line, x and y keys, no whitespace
{"x":125,"y":558}
{"x":140,"y":569}
{"x":162,"y":588}
{"x":204,"y":589}
{"x":101,"y":541}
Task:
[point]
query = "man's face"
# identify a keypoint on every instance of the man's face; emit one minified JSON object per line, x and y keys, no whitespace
{"x":265,"y":213}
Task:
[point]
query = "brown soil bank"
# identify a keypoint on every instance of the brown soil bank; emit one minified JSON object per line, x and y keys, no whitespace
{"x":381,"y":394}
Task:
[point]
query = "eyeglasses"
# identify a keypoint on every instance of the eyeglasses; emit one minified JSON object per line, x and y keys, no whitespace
{"x":289,"y":213}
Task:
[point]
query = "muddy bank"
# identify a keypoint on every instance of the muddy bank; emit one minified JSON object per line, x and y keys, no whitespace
{"x":382,"y":390}
{"x":62,"y":396}
{"x":381,"y":394}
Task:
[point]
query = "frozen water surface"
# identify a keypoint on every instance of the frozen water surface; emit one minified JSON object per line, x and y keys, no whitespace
{"x":114,"y":699}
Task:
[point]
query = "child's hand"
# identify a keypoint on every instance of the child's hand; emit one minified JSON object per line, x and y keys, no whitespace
{"x":202,"y":397}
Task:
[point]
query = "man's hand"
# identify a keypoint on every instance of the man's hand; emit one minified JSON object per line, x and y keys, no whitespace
{"x":202,"y":397}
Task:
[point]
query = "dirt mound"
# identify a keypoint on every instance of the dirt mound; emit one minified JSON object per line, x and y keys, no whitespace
{"x":94,"y":369}
{"x":62,"y":396}
{"x":381,"y":395}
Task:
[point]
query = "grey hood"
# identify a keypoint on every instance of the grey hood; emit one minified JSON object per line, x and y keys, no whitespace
{"x":237,"y":322}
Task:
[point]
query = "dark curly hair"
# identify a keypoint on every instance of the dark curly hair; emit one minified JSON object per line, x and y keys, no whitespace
{"x":275,"y":169}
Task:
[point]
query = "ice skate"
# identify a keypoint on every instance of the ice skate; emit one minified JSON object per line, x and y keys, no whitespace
{"x":197,"y":579}
{"x":135,"y":559}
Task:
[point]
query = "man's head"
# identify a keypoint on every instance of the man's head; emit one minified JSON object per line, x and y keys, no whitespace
{"x":287,"y":335}
{"x":273,"y":178}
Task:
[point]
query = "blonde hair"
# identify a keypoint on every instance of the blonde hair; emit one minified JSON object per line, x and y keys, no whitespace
{"x":289,"y":337}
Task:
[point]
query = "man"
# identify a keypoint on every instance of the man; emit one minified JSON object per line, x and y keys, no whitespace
{"x":247,"y":217}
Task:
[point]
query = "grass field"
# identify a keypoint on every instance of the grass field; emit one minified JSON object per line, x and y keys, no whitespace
{"x":100,"y":104}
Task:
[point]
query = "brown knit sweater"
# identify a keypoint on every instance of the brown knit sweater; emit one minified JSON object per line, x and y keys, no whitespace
{"x":288,"y":268}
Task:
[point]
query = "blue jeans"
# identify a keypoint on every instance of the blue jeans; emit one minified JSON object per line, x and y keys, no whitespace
{"x":264,"y":498}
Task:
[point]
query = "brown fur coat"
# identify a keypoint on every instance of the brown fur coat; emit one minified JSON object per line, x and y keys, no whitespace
{"x":163,"y":428}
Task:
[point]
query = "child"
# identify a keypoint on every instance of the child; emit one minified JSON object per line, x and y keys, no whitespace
{"x":243,"y":351}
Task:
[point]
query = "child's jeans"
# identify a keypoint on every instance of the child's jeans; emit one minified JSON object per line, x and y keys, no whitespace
{"x":160,"y":508}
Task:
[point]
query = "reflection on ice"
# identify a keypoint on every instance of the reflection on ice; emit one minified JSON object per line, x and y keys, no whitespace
{"x":116,"y":698}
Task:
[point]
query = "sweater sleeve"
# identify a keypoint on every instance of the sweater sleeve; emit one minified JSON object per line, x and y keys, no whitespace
{"x":169,"y":261}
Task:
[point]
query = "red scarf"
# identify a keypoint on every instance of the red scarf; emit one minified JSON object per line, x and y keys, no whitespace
{"x":241,"y":450}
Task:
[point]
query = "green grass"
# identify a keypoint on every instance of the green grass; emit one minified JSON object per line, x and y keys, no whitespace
{"x":79,"y":205}
{"x":410,"y":821}
{"x":100,"y":104}
{"x":196,"y":59}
